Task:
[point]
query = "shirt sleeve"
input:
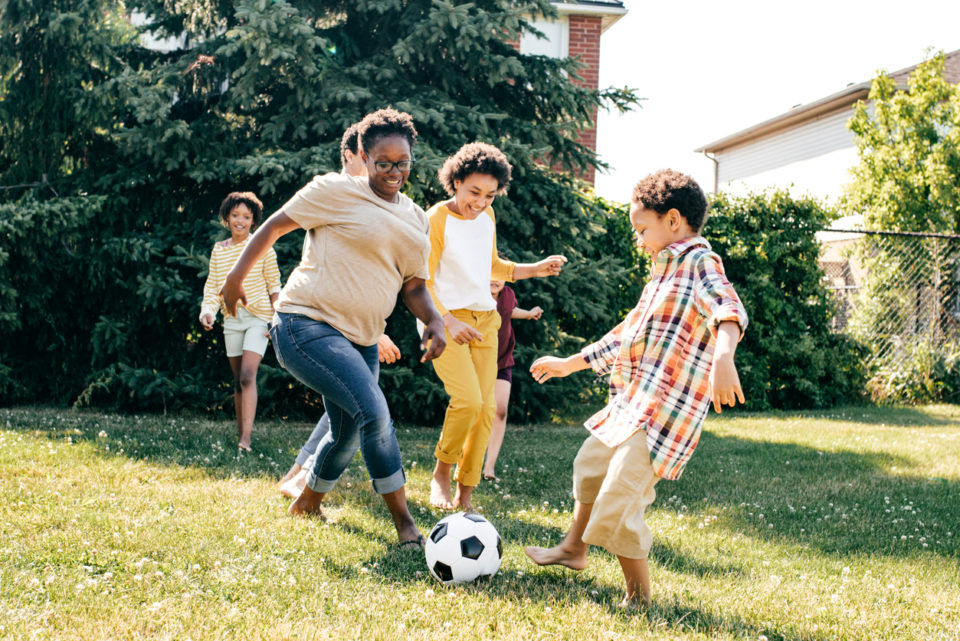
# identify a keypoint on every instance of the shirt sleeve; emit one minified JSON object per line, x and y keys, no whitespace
{"x":437,"y":226}
{"x":211,"y":288}
{"x":601,"y":354}
{"x":424,"y":270}
{"x":317,"y":202}
{"x":271,"y":273}
{"x":501,"y":269}
{"x":715,"y":297}
{"x":509,"y":301}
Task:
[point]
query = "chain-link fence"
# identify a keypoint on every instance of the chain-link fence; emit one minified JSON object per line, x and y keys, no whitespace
{"x":896,"y":292}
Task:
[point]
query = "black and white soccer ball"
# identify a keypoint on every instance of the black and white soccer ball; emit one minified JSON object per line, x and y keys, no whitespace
{"x":462,"y":548}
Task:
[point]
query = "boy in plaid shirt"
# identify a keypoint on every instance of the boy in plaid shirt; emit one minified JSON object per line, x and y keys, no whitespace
{"x":667,"y":360}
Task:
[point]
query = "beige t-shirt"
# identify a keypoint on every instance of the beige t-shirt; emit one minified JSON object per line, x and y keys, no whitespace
{"x":358,"y":252}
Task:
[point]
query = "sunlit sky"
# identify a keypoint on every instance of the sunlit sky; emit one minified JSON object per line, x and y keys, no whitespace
{"x":711,"y":68}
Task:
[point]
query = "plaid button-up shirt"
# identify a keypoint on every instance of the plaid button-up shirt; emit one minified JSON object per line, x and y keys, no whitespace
{"x":659,"y":357}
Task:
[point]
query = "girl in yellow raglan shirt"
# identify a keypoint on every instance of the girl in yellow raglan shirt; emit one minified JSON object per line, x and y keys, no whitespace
{"x":463,"y":261}
{"x":244,"y":335}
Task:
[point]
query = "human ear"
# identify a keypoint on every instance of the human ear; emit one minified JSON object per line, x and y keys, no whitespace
{"x":674,"y":218}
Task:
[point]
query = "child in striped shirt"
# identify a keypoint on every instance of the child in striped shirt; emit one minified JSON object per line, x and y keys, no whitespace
{"x":667,"y":360}
{"x":244,"y":335}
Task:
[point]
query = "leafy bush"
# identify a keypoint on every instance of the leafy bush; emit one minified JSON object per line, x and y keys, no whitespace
{"x":788,"y":358}
{"x":929,"y":373}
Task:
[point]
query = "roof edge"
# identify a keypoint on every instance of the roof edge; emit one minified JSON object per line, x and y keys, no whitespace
{"x":609,"y":13}
{"x":834,"y":102}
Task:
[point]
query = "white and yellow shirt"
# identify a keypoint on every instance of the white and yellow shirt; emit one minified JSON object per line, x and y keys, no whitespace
{"x":263,"y":280}
{"x":463,"y":260}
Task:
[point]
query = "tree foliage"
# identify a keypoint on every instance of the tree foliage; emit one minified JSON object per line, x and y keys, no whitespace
{"x":908,"y":180}
{"x":908,"y":141}
{"x":132,"y":148}
{"x":788,"y":358}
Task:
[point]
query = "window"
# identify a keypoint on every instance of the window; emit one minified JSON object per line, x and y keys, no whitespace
{"x":555,"y":45}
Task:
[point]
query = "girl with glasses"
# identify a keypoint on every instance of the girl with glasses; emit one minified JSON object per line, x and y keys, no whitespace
{"x":366,"y":242}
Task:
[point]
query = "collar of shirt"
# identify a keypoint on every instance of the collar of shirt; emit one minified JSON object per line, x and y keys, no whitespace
{"x":676,"y":249}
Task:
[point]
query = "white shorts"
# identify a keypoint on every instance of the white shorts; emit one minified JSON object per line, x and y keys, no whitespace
{"x":244,"y":333}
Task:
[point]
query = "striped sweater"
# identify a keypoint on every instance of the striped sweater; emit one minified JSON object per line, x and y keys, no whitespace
{"x":263,"y":280}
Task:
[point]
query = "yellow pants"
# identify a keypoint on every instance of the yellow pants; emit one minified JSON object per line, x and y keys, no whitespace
{"x":469,"y":373}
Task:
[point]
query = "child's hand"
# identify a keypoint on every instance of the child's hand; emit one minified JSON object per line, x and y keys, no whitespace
{"x":207,"y":322}
{"x":547,"y":367}
{"x":535,"y":313}
{"x":231,"y":293}
{"x":724,"y":383}
{"x":550,"y":266}
{"x":387,"y":350}
{"x":460,"y":332}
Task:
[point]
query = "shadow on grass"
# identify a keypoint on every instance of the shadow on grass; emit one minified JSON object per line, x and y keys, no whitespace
{"x":839,"y":502}
{"x":863,"y":415}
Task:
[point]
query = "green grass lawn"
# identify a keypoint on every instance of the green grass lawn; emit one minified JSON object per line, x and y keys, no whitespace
{"x":819,"y":526}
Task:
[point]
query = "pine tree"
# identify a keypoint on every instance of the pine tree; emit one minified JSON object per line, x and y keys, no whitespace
{"x":255,"y":98}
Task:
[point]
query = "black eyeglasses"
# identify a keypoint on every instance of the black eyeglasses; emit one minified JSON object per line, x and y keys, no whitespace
{"x":386,"y":166}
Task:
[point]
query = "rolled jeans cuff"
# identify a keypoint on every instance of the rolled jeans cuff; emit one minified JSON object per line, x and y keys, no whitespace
{"x":381,"y":486}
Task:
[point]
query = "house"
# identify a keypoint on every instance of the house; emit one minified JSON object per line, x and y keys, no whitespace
{"x":808,"y":147}
{"x":576,"y":32}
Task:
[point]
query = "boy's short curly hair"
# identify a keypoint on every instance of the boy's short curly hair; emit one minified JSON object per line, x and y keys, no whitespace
{"x":385,"y":122}
{"x":669,"y":189}
{"x":247,"y":198}
{"x":350,"y":142}
{"x":475,"y":158}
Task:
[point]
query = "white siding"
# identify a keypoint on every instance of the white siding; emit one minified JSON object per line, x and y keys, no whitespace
{"x":812,"y":139}
{"x":556,"y":43}
{"x":823,"y":177}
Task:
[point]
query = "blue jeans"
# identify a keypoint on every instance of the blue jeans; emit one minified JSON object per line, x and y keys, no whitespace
{"x":345,"y":374}
{"x":310,"y":447}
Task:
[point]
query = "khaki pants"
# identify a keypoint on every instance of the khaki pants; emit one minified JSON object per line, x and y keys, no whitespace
{"x":469,"y":373}
{"x":619,"y":482}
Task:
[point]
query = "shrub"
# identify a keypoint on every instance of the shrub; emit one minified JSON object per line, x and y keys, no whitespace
{"x":789,"y":358}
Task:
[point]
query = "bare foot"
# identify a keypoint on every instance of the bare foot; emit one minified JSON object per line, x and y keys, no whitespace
{"x":244,"y":446}
{"x":575,"y":559}
{"x":293,"y":487}
{"x":307,"y":504}
{"x":291,"y":473}
{"x":633,"y":603}
{"x":462,"y":498}
{"x":440,"y":495}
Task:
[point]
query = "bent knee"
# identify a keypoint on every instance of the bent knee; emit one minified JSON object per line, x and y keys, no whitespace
{"x":472,"y":404}
{"x":247,"y":379}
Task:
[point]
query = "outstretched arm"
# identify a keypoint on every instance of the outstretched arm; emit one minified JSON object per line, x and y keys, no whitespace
{"x":547,"y":367}
{"x":418,"y":301}
{"x":549,"y":266}
{"x":527,"y":314}
{"x":261,"y":241}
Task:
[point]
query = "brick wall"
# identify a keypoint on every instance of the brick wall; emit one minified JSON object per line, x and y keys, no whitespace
{"x":584,"y":43}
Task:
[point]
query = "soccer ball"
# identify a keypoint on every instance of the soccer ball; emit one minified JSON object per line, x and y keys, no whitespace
{"x":462,"y":548}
